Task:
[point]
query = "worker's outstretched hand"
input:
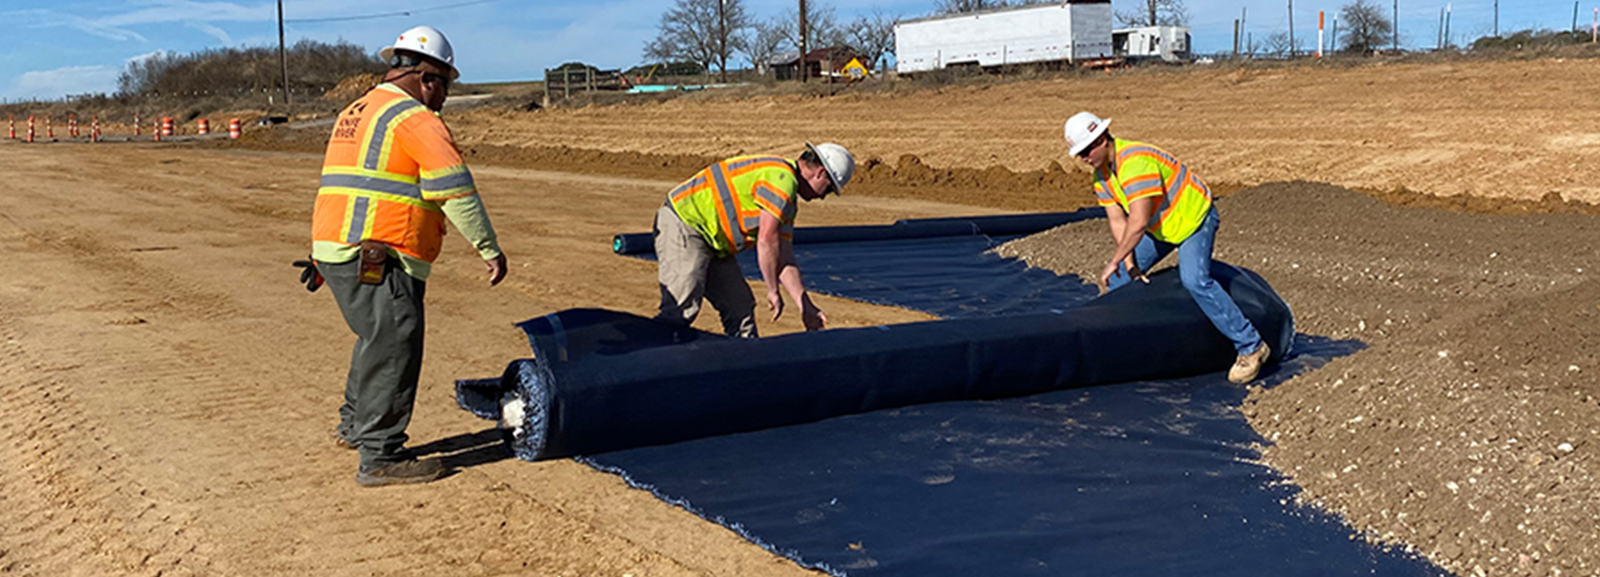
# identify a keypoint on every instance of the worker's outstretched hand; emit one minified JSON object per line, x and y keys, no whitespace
{"x":497,"y":269}
{"x":1133,"y":272}
{"x":310,"y":276}
{"x":775,"y":303}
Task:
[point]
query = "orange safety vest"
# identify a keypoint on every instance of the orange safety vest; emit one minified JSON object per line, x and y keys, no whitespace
{"x":725,"y":200}
{"x":391,"y":163}
{"x":1144,"y":171}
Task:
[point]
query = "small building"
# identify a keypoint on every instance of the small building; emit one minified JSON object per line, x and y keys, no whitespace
{"x":823,"y":62}
{"x":1166,"y":43}
{"x":770,"y":64}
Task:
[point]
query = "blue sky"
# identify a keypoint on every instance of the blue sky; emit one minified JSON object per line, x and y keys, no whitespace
{"x":60,"y":47}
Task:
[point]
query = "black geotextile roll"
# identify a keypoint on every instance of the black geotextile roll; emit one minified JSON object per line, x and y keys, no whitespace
{"x":1001,"y":225}
{"x":605,"y":381}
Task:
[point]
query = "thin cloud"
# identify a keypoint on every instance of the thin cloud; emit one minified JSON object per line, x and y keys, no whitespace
{"x":52,"y":84}
{"x":212,"y":30}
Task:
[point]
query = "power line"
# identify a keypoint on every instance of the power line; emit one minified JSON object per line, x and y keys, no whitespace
{"x":388,"y":14}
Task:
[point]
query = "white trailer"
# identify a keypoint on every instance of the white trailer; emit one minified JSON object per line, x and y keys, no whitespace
{"x":1167,"y":43}
{"x":1072,"y":31}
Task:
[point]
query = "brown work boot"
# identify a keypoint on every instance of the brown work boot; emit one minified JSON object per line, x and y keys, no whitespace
{"x":1247,"y":366}
{"x":401,"y":473}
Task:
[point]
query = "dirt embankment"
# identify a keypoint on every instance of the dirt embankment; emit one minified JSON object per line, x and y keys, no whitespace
{"x":1466,"y":430}
{"x":1425,"y":127}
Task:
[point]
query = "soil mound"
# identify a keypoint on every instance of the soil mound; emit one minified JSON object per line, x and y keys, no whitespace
{"x":352,"y":87}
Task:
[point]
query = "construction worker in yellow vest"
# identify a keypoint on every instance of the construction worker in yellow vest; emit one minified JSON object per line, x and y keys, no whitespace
{"x":733,"y":205}
{"x":391,"y":177}
{"x":1155,"y":204}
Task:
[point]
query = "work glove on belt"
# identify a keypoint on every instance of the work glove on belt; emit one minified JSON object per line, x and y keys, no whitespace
{"x":310,"y":276}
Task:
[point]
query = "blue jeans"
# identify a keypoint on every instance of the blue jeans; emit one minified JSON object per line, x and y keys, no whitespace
{"x":1194,"y":267}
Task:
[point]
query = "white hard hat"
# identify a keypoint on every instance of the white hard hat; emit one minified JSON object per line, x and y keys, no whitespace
{"x":1082,"y":130}
{"x":837,"y":161}
{"x":427,"y":41}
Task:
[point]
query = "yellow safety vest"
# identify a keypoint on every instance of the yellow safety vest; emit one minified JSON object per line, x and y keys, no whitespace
{"x":725,"y":201}
{"x":1144,"y":171}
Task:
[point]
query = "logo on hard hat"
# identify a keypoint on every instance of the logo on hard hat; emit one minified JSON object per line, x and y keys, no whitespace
{"x":1093,"y":125}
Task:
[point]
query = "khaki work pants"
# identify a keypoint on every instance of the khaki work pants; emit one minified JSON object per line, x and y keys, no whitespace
{"x":690,"y":271}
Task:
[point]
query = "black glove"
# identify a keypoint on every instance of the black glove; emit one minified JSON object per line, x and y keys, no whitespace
{"x":309,"y":276}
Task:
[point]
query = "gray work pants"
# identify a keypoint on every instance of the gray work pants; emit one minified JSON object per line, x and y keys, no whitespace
{"x":381,"y":389}
{"x":690,"y":271}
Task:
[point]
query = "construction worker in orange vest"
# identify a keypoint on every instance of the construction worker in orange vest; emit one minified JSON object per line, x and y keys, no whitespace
{"x":1155,"y":205}
{"x":391,"y":177}
{"x":731,"y":206}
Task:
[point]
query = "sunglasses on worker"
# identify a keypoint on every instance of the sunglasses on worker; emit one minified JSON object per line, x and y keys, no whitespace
{"x":440,"y":80}
{"x":1088,"y":149}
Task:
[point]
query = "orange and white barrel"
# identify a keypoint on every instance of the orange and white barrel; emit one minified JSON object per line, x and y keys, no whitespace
{"x":202,"y":126}
{"x":234,"y":129}
{"x":166,"y":126}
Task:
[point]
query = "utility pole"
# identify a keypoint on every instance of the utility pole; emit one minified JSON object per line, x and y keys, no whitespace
{"x":1496,"y":18}
{"x":1333,"y":37}
{"x":804,"y":70}
{"x":1449,"y":9}
{"x":1396,"y":27}
{"x":1574,"y":15}
{"x":283,"y":59}
{"x":1236,"y":39}
{"x":1291,"y":29}
{"x":1439,"y":45}
{"x":722,"y":39}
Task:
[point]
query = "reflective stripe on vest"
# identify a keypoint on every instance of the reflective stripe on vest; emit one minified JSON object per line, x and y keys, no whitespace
{"x":724,"y":201}
{"x":1184,"y":201}
{"x":360,"y":199}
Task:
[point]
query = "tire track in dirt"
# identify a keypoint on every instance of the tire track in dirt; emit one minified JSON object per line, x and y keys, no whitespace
{"x":200,"y":396}
{"x":73,"y":508}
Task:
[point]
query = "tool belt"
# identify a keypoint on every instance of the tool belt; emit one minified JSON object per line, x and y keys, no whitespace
{"x":374,"y":261}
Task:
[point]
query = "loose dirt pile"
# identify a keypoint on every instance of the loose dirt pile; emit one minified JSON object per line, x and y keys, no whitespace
{"x":352,"y":88}
{"x":908,"y":177}
{"x":1467,"y":430}
{"x":1424,"y":127}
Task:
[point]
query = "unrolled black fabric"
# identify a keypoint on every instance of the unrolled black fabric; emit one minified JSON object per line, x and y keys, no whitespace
{"x":1002,"y":225}
{"x":604,"y":381}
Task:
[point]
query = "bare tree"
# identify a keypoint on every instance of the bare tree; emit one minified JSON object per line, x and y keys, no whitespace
{"x":963,"y":6}
{"x":1368,"y":28}
{"x":1156,"y":13}
{"x":822,"y":26}
{"x":872,"y":37}
{"x":1278,"y":45}
{"x":764,"y":40}
{"x":706,"y":32}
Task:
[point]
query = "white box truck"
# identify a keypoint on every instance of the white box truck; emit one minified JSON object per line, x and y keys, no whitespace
{"x":1074,"y":31}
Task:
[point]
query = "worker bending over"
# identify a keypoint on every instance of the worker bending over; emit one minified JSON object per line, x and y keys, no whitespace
{"x":728,"y":207}
{"x":1155,"y":204}
{"x":392,"y":176}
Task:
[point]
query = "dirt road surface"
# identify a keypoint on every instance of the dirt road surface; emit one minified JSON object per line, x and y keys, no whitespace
{"x":169,"y":391}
